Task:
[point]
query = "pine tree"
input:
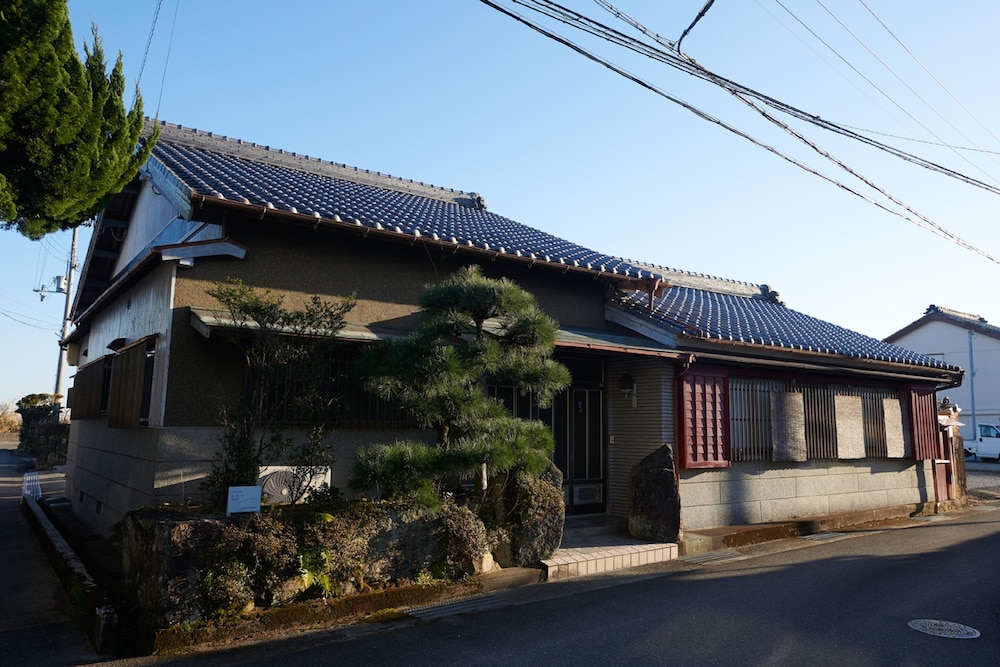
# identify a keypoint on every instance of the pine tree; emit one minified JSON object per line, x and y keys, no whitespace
{"x":67,"y":144}
{"x":474,"y":331}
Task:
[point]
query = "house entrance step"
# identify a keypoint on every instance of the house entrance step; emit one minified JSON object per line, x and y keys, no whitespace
{"x":592,"y":525}
{"x":597,"y":543}
{"x":582,"y":561}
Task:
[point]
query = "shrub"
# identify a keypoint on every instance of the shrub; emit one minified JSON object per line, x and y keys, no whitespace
{"x":259,"y":555}
{"x":10,"y":422}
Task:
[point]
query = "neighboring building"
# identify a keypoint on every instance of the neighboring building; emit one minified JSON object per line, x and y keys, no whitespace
{"x":772,"y":414}
{"x":965,"y":340}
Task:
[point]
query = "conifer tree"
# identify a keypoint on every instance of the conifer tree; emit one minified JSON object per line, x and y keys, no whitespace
{"x":67,"y":144}
{"x":474,"y":331}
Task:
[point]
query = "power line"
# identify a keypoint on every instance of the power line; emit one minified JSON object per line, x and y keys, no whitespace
{"x":166,"y":61}
{"x":149,"y":40}
{"x":915,"y":93}
{"x":700,"y":16}
{"x":560,"y":13}
{"x":929,"y":73}
{"x":689,"y":66}
{"x":922,"y":221}
{"x":28,"y":324}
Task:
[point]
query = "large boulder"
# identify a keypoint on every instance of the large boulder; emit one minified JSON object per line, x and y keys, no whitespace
{"x":655,"y":513}
{"x":539,"y":516}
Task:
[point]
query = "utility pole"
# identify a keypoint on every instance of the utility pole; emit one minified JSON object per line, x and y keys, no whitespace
{"x":972,"y":388}
{"x":70,"y":271}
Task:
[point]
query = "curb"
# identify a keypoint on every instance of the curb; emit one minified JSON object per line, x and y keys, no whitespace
{"x":100,"y":619}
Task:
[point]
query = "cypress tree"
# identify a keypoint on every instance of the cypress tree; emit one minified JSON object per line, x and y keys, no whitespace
{"x":67,"y":143}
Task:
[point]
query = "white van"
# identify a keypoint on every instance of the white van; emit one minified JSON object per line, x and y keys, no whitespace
{"x":987,"y":445}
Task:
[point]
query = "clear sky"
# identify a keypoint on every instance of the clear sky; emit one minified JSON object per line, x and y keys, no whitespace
{"x":456,"y":94}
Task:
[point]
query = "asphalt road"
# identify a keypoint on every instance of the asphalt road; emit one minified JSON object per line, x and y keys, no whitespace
{"x":840,"y":601}
{"x":35,"y":625}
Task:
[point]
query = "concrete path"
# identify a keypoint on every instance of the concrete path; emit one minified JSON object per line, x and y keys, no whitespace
{"x":35,"y":626}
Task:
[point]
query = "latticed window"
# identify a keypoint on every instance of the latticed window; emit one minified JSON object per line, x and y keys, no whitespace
{"x":704,"y":419}
{"x":923,"y":415}
{"x":310,"y":393}
{"x":724,"y":418}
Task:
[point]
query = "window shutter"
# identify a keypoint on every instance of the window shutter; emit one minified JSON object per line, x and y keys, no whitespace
{"x":924,"y":423}
{"x":704,"y":419}
{"x":128,"y":381}
{"x":88,"y":386}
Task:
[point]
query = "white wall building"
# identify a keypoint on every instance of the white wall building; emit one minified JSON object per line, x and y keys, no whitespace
{"x":964,"y":340}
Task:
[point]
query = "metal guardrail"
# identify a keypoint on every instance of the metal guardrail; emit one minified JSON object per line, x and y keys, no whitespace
{"x":32,"y":485}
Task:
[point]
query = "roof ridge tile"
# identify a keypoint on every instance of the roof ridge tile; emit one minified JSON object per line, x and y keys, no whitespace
{"x":239,"y":148}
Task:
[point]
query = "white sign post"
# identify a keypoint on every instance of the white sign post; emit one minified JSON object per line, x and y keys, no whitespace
{"x":243,"y":499}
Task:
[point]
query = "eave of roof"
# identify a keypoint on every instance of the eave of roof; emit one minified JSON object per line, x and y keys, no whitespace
{"x":207,"y":320}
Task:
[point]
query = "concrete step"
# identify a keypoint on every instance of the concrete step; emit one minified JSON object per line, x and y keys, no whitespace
{"x":596,"y":543}
{"x":593,"y":525}
{"x":583,"y":561}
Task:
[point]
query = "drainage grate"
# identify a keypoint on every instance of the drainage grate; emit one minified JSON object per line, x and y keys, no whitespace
{"x":946,"y":629}
{"x":463,"y":605}
{"x":824,"y":536}
{"x":984,"y":508}
{"x":932,"y":517}
{"x":713,"y":557}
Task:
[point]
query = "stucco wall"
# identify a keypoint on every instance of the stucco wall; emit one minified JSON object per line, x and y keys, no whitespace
{"x":298,"y":263}
{"x":387,"y":278}
{"x":762,"y":492}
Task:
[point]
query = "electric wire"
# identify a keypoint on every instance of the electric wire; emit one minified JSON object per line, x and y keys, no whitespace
{"x":563,"y":14}
{"x":861,"y":91}
{"x":149,"y":40}
{"x":924,"y":222}
{"x":700,"y":16}
{"x":166,"y":61}
{"x":920,"y":141}
{"x":929,"y":73}
{"x":28,"y":324}
{"x":915,"y":93}
{"x":581,"y":22}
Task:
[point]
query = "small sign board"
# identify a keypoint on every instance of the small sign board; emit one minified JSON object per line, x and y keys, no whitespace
{"x":243,"y":499}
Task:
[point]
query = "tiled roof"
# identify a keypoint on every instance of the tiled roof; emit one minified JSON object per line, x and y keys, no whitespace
{"x":222,"y":168}
{"x":762,"y":320}
{"x":955,"y":317}
{"x":217,"y":167}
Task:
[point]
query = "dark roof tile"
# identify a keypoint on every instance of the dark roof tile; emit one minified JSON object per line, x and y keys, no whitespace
{"x":759,"y":320}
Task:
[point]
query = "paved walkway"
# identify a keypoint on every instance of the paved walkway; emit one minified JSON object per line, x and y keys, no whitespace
{"x":35,"y":626}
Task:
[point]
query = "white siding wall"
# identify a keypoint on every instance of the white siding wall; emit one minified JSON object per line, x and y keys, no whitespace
{"x":760,"y":492}
{"x":152,"y":214}
{"x":143,"y":310}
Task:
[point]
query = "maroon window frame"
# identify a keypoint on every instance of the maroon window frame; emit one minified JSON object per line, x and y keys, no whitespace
{"x":704,"y":419}
{"x":924,"y":423}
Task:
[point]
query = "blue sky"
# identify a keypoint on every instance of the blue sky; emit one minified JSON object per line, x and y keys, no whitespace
{"x":456,"y":94}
